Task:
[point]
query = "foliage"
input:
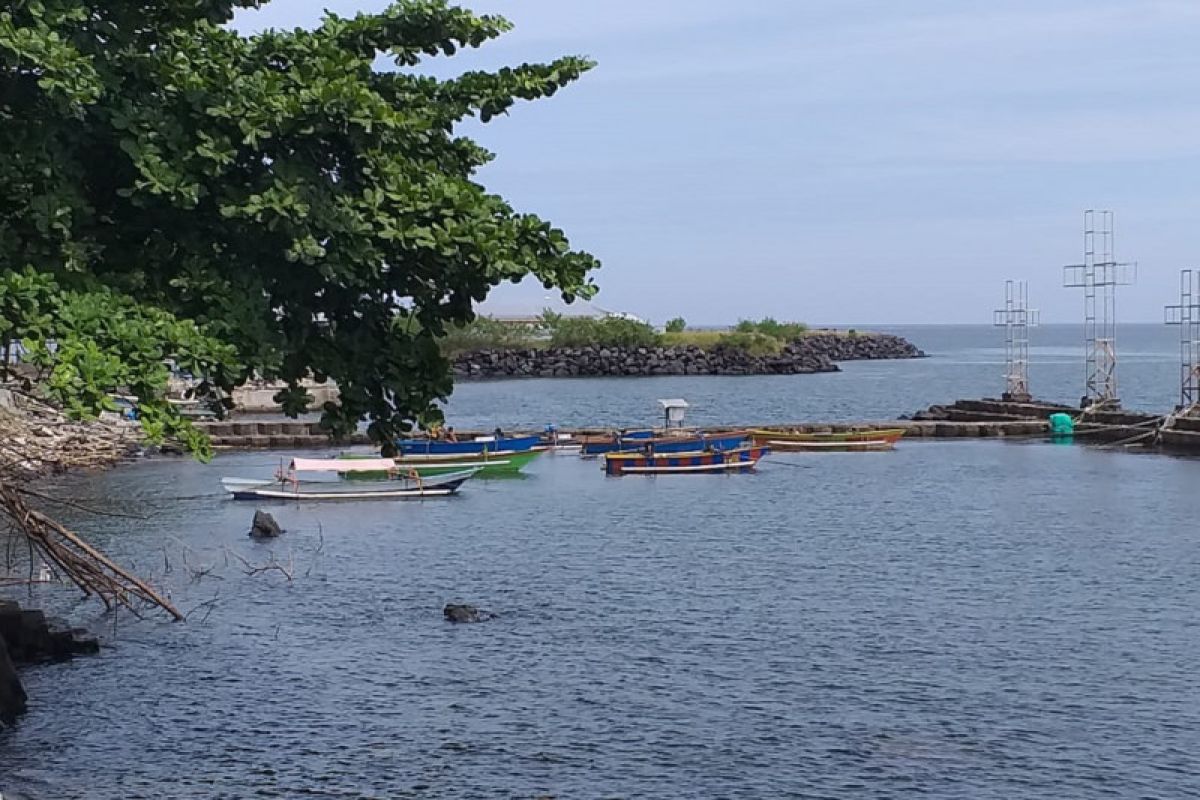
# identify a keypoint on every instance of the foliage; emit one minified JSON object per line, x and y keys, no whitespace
{"x":677,"y":325}
{"x":603,"y":332}
{"x":486,"y":333}
{"x":87,"y":345}
{"x":26,"y":300}
{"x":276,"y":191}
{"x":753,"y":342}
{"x":783,"y":331}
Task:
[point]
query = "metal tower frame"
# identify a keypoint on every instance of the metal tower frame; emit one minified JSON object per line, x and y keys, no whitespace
{"x":1187,"y":316}
{"x":1099,"y":275}
{"x":1016,"y":318}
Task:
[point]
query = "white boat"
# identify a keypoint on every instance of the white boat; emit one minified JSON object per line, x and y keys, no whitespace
{"x":400,"y":484}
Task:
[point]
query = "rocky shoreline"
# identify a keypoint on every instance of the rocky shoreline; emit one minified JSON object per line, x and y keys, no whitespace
{"x":36,"y":440}
{"x":818,"y":352}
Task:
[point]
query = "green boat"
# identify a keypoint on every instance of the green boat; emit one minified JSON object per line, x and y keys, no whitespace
{"x":493,"y":464}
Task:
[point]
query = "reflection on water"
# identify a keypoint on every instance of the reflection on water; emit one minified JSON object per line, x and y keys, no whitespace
{"x":956,"y":619}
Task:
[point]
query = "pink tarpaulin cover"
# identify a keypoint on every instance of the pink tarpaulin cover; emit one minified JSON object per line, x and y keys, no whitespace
{"x":342,"y":464}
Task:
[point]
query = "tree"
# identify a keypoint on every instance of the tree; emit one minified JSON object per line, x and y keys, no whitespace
{"x":677,"y":325}
{"x":276,"y":192}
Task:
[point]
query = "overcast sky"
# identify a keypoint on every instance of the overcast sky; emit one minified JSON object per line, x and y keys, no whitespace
{"x":848,"y":161}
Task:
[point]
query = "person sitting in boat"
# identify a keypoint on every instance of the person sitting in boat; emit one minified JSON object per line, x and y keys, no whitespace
{"x":499,"y":434}
{"x":450,"y":436}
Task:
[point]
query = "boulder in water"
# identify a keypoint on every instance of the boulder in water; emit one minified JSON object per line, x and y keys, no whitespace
{"x":12,"y":695}
{"x":461,"y":612}
{"x":264,"y":526}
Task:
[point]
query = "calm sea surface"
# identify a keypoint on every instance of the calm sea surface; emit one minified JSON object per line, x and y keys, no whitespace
{"x":974,"y":619}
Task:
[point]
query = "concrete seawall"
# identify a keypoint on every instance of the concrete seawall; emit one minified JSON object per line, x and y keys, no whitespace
{"x":273,"y":434}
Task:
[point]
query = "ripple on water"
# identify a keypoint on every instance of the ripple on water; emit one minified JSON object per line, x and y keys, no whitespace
{"x":950,"y":620}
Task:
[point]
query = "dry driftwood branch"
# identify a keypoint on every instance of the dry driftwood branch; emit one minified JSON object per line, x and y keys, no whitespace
{"x":41,"y":440}
{"x":287,"y":570}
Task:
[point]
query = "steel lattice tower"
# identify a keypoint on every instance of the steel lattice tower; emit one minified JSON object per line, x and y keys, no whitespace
{"x":1098,"y":276}
{"x":1016,"y":318}
{"x":1187,"y":316}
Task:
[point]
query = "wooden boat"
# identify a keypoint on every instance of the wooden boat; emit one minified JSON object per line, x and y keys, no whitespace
{"x":673,"y":443}
{"x":474,"y":447}
{"x":882,"y":439}
{"x":395,"y":483}
{"x":741,"y":459}
{"x":599,"y":444}
{"x":551,"y":441}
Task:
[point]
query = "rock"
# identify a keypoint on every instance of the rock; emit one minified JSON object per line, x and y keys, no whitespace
{"x":264,"y":526}
{"x":12,"y":694}
{"x":456,"y":612}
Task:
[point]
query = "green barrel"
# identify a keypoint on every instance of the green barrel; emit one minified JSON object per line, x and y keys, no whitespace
{"x":1061,"y":424}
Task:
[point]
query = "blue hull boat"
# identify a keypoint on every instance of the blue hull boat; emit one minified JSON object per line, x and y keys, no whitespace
{"x":508,"y":444}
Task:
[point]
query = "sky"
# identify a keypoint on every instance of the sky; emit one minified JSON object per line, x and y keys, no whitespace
{"x":846,"y":161}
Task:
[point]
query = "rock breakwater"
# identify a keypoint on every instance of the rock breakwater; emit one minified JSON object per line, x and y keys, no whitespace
{"x":818,"y":352}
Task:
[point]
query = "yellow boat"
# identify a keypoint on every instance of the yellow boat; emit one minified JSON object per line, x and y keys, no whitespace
{"x":882,"y":439}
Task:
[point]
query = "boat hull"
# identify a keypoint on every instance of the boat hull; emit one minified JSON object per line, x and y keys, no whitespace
{"x":742,"y":459}
{"x":386,"y":489}
{"x":431,"y":447}
{"x":849,"y":441}
{"x":487,"y":463}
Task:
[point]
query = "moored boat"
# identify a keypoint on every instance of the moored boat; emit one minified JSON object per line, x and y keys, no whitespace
{"x":863,"y":440}
{"x":477,"y":446}
{"x":488,"y":464}
{"x":740,"y":459}
{"x":599,"y":444}
{"x":394,"y":483}
{"x":674,"y":443}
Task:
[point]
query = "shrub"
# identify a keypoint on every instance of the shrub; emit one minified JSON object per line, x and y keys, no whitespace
{"x":605,"y":332}
{"x":767,"y":326}
{"x":677,"y":325}
{"x":486,"y":333}
{"x":753,"y":343}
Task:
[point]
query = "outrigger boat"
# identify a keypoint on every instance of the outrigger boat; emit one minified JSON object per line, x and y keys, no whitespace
{"x":395,"y":483}
{"x":741,"y":459}
{"x":882,"y":439}
{"x":501,"y":463}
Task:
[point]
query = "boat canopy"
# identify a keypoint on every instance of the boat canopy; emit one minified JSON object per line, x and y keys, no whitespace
{"x":342,"y":464}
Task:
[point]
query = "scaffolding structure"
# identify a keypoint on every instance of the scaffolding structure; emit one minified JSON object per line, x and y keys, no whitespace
{"x":1187,"y":316}
{"x":1099,"y":276}
{"x":1016,"y":318}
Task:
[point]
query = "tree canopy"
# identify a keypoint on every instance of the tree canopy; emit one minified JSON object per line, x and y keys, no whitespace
{"x":270,"y":204}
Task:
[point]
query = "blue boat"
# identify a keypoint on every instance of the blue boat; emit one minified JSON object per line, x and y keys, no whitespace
{"x":486,"y":444}
{"x":598,"y":445}
{"x":674,"y":444}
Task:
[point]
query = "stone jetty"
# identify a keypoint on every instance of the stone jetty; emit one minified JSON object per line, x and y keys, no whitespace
{"x":816,"y":352}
